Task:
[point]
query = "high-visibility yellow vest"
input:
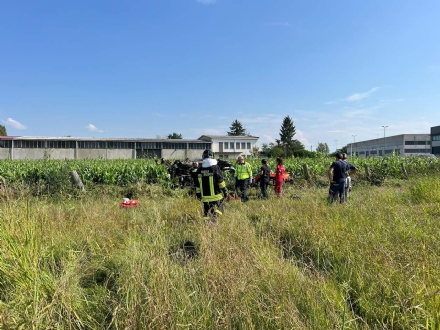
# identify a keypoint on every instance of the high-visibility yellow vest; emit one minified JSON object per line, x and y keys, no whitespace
{"x":243,"y":171}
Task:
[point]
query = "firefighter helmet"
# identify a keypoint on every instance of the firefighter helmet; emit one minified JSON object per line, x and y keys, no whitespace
{"x":207,"y":154}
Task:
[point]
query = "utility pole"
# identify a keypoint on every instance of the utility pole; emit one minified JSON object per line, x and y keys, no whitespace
{"x":384,"y":128}
{"x":311,"y":148}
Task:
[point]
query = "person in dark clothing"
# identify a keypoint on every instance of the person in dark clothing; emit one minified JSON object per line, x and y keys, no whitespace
{"x":350,"y":169}
{"x":337,"y":174}
{"x":210,"y":186}
{"x":264,"y":178}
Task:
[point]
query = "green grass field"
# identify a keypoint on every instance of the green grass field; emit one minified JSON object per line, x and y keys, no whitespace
{"x":82,"y":262}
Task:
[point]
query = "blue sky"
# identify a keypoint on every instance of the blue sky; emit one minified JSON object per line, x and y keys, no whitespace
{"x":143,"y":69}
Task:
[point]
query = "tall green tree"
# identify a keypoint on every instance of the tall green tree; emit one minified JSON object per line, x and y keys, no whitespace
{"x":323,"y":148}
{"x":286,"y":141}
{"x":342,"y":150}
{"x":3,"y":131}
{"x":174,"y":136}
{"x":237,"y":129}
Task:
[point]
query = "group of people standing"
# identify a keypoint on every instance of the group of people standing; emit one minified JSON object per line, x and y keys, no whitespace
{"x":265,"y":178}
{"x":243,"y":177}
{"x":211,"y":187}
{"x":339,"y":176}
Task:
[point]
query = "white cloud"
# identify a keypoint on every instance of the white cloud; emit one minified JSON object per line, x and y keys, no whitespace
{"x":93,"y":128}
{"x":354,"y":97}
{"x":359,"y":96}
{"x":282,"y":24}
{"x":207,"y":2}
{"x":15,"y":124}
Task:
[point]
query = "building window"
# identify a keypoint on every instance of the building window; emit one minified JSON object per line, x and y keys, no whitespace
{"x":5,"y":143}
{"x":30,"y":144}
{"x":436,"y":138}
{"x":93,"y":145}
{"x":200,"y":146}
{"x":226,"y":144}
{"x":237,"y":145}
{"x":418,"y":143}
{"x":60,"y":144}
{"x":220,"y":145}
{"x":148,"y":145}
{"x":174,"y":145}
{"x":418,"y":151}
{"x":249,"y":145}
{"x":120,"y":145}
{"x":243,"y":145}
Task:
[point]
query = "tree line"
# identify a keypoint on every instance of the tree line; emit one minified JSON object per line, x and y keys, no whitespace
{"x":286,"y":146}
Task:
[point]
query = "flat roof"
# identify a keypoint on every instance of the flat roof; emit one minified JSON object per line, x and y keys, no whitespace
{"x":239,"y":137}
{"x":71,"y":138}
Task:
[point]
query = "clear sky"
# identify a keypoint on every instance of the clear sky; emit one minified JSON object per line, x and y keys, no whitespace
{"x":143,"y":69}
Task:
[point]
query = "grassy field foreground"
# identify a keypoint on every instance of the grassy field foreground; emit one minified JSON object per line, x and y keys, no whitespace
{"x":85,"y":263}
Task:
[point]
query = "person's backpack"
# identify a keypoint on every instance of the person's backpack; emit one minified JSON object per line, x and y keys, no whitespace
{"x":266,"y":174}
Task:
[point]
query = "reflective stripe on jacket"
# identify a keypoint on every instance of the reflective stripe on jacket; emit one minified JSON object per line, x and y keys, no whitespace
{"x":243,"y":171}
{"x":210,"y":183}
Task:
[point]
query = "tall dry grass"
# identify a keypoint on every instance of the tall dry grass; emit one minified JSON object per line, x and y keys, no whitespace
{"x":85,"y":263}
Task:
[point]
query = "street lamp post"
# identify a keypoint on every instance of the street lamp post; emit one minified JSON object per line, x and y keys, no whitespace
{"x":354,"y":140}
{"x":384,"y":128}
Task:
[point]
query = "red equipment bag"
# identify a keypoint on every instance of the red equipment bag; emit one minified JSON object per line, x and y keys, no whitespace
{"x":130,"y":203}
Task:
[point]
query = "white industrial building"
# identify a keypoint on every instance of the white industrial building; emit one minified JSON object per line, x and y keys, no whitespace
{"x":403,"y":145}
{"x":231,"y":146}
{"x":27,"y":147}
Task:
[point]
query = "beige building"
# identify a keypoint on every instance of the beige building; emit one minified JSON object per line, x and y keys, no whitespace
{"x":26,"y":147}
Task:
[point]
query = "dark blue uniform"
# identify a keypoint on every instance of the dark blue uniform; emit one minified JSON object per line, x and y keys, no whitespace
{"x":337,"y":187}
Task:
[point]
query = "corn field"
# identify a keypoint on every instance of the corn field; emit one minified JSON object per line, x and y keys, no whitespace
{"x":132,"y":171}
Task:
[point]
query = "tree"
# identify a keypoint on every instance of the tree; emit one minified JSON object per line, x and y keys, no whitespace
{"x":237,"y":129}
{"x":255,"y":152}
{"x":174,"y":136}
{"x":323,"y":148}
{"x":271,"y":150}
{"x":3,"y":131}
{"x":343,"y":150}
{"x":286,"y":141}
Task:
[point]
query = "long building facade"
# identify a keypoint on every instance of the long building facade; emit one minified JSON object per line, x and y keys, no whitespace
{"x":403,"y":145}
{"x":27,"y":147}
{"x":22,"y":147}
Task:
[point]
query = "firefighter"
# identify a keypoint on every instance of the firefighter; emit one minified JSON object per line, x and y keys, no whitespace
{"x":243,"y":177}
{"x":210,"y":186}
